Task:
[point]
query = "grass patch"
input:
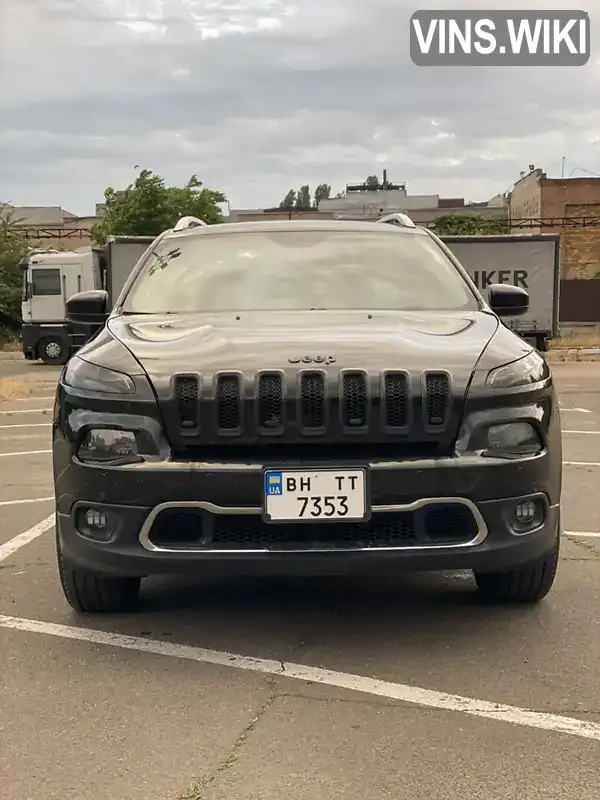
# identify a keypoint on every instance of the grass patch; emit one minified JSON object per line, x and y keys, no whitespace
{"x":12,"y":388}
{"x":577,"y":340}
{"x":9,"y":341}
{"x":11,"y":346}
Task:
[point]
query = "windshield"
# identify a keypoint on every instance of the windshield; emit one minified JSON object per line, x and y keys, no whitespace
{"x":298,"y":270}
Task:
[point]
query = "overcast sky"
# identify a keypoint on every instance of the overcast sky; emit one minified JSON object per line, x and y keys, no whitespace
{"x":257,"y":96}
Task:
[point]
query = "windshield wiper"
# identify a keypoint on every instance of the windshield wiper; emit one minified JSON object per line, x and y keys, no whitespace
{"x":147,"y":313}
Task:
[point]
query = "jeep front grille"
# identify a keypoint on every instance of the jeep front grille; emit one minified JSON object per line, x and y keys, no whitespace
{"x":397,"y":395}
{"x":228,"y":403}
{"x":312,"y":402}
{"x":270,"y":402}
{"x":186,"y":395}
{"x":437,"y":397}
{"x":355,"y":401}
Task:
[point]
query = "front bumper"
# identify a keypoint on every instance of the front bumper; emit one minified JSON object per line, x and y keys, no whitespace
{"x":138,"y":494}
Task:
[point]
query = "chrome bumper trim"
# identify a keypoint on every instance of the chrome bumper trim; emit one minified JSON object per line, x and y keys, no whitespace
{"x":144,"y":536}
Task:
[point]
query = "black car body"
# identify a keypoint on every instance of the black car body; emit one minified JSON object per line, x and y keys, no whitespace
{"x":427,"y":435}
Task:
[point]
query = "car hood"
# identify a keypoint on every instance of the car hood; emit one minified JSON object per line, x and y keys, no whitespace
{"x":168,"y":344}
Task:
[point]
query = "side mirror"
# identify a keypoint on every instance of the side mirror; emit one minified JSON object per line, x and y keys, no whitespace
{"x":508,"y":301}
{"x":88,"y":308}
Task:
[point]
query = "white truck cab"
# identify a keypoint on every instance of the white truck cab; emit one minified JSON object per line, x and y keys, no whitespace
{"x":49,"y":278}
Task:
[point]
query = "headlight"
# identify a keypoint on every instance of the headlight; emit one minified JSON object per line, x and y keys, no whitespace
{"x":529,"y":369}
{"x":513,"y":438}
{"x":506,"y":440}
{"x":101,"y":445}
{"x":83,"y":375}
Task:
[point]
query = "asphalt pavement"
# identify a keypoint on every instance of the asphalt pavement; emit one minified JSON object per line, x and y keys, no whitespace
{"x":302,"y":690}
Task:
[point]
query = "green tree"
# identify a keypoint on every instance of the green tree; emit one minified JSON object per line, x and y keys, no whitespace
{"x":372,"y":181}
{"x":322,"y":192}
{"x":469,"y":225}
{"x":13,"y":247}
{"x":303,"y":197}
{"x":289,"y":201}
{"x":148,"y":206}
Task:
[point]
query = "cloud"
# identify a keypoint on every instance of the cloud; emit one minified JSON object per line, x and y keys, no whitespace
{"x":256,"y":96}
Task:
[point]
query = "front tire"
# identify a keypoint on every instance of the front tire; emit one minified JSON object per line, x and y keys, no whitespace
{"x":53,"y":350}
{"x":529,"y":583}
{"x":90,"y":593}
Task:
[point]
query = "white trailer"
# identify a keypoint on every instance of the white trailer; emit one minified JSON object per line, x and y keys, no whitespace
{"x":529,"y":261}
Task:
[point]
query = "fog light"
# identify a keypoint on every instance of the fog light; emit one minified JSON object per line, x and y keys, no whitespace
{"x":96,"y":523}
{"x":527,"y":514}
{"x":108,"y":444}
{"x":96,"y":519}
{"x":525,"y":511}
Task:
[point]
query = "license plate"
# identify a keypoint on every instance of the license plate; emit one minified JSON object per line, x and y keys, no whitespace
{"x":315,"y":495}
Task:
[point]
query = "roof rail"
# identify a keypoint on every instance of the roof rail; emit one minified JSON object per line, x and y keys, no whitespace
{"x":188,"y":222}
{"x":403,"y":220}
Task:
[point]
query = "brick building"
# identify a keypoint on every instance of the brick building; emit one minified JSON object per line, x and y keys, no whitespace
{"x":567,"y":206}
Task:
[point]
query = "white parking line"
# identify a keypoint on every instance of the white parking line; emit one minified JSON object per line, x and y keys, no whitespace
{"x":28,"y":425}
{"x":579,"y":410}
{"x":358,"y":683}
{"x":586,"y":534}
{"x":8,"y":548}
{"x":36,"y":398}
{"x":583,"y":433}
{"x":27,"y":411}
{"x":12,"y":437}
{"x":409,"y":694}
{"x":27,"y":500}
{"x":581,"y":463}
{"x":24,"y":453}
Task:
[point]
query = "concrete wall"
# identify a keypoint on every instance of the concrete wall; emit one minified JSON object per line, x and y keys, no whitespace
{"x":526,"y":200}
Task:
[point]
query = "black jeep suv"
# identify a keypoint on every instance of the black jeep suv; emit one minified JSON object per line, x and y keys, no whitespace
{"x":318,"y":396}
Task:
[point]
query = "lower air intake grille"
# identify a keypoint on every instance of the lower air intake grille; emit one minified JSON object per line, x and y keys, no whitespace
{"x":186,"y":395}
{"x":228,"y":402}
{"x":439,"y":524}
{"x":355,"y":401}
{"x":312,"y":399}
{"x":270,"y":402}
{"x":437,"y":387}
{"x":396,"y":400}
